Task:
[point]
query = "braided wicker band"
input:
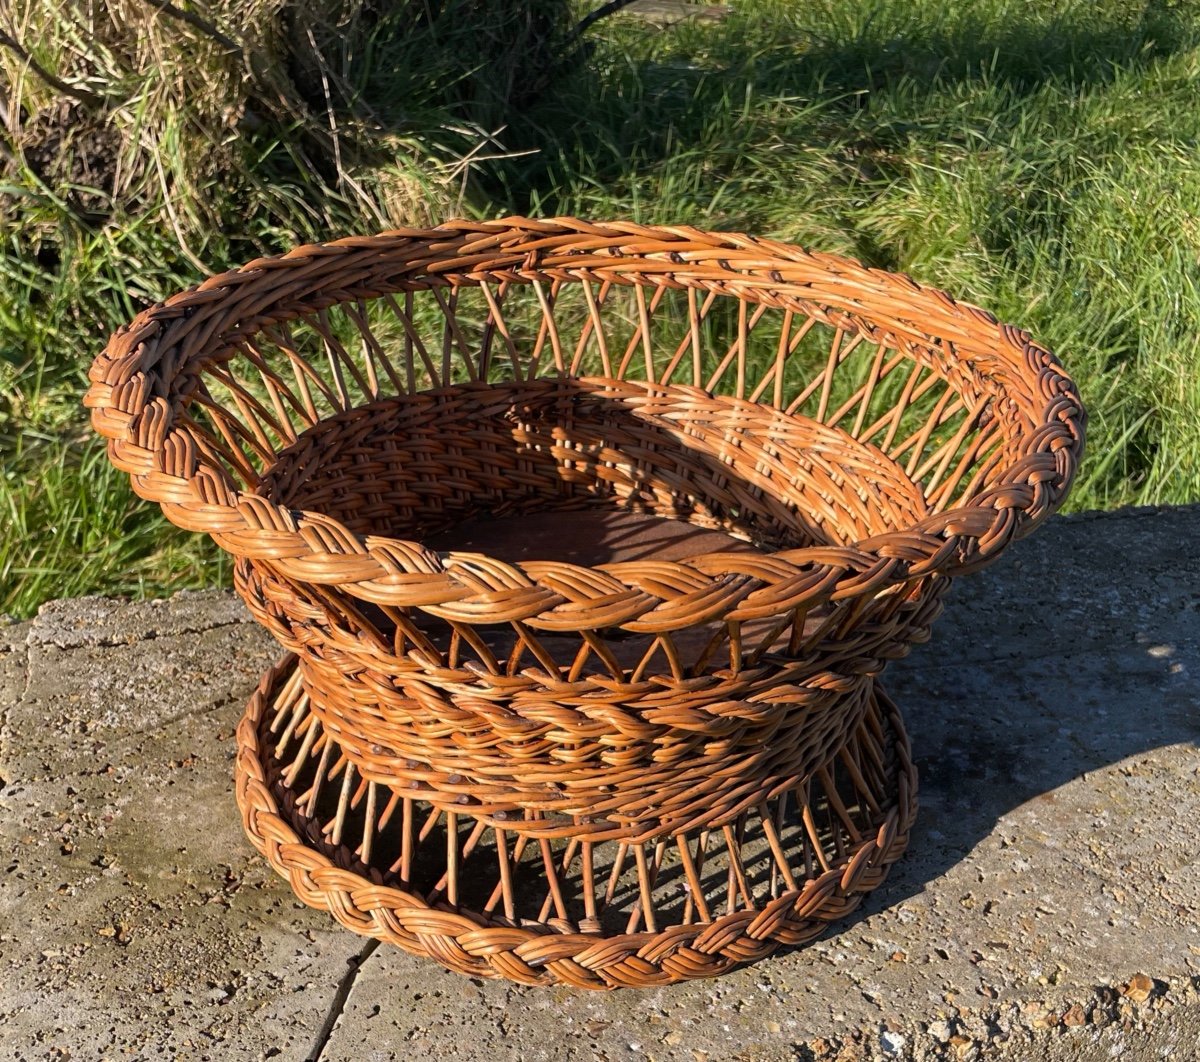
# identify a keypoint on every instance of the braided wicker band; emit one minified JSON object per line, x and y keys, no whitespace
{"x":490,"y":903}
{"x":840,"y":441}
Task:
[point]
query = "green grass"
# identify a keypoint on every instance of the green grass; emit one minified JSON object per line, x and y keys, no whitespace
{"x":1041,"y":159}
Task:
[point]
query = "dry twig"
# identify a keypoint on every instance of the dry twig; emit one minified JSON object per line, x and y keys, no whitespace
{"x":85,"y":96}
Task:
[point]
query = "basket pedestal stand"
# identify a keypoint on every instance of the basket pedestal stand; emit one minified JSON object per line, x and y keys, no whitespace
{"x":541,"y":897}
{"x":390,"y":866}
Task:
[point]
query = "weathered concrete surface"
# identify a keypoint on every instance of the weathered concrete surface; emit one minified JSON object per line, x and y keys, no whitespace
{"x":1057,"y":857}
{"x":134,"y":920}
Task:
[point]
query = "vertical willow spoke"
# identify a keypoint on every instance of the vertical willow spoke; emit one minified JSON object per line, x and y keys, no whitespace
{"x":788,"y":342}
{"x":339,"y":821}
{"x":971,"y":458}
{"x":644,"y":328}
{"x":588,"y":877}
{"x":306,"y":377}
{"x":413,"y":342}
{"x":868,"y":391}
{"x":497,"y":319}
{"x":861,"y":396}
{"x":736,"y":887}
{"x":644,"y":908}
{"x":938,"y":461}
{"x":290,"y":720}
{"x":614,"y":876}
{"x":554,"y":894}
{"x":814,"y":837}
{"x":823,"y":381}
{"x":452,"y":335}
{"x":695,"y":897}
{"x":285,"y":404}
{"x":547,"y":329}
{"x":374,"y":356}
{"x":594,"y":327}
{"x":897,"y":413}
{"x":450,"y":325}
{"x":289,"y":778}
{"x":255,"y":416}
{"x":340,"y":357}
{"x":641,"y":334}
{"x":780,"y":863}
{"x":233,"y":442}
{"x":694,"y":319}
{"x":690,"y":340}
{"x":835,"y":358}
{"x":735,"y":353}
{"x":919,"y":440}
{"x":743,"y":337}
{"x":505,"y":888}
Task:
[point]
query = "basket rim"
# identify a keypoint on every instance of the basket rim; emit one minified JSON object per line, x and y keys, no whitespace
{"x":132,"y":398}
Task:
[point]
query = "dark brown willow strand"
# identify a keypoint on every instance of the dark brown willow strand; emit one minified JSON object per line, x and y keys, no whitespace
{"x":144,"y":379}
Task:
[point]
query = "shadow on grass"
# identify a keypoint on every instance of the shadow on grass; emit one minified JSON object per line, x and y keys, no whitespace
{"x":567,"y":114}
{"x":738,"y":98}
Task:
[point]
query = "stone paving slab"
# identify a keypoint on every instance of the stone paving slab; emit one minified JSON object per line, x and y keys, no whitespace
{"x":1049,"y":906}
{"x":134,"y":920}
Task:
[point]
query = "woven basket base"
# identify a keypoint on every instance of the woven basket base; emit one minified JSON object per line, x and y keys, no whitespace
{"x":489,"y":903}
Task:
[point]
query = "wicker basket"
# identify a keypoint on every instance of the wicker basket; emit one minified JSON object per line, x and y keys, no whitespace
{"x":588,"y":544}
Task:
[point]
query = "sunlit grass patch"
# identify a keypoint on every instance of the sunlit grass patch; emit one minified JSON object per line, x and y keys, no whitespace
{"x":1037,"y":158}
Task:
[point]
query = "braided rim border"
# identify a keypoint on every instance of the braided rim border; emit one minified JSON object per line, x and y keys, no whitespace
{"x":469,"y":945}
{"x":133,"y":391}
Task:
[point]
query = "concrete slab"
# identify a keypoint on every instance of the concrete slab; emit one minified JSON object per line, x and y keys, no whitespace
{"x":134,"y":920}
{"x":1049,"y":905}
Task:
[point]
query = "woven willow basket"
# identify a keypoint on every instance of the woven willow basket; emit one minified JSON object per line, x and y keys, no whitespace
{"x":588,"y":544}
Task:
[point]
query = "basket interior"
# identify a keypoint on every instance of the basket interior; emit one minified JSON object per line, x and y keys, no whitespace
{"x":564,"y":361}
{"x":419,"y":467}
{"x":426,"y":415}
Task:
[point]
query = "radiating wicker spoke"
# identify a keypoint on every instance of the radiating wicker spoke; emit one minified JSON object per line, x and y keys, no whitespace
{"x":674,"y":880}
{"x":736,"y":354}
{"x":593,"y":330}
{"x":640,"y":340}
{"x":305,"y":373}
{"x":497,"y":322}
{"x":548,"y":329}
{"x":342,"y":365}
{"x":691,"y":342}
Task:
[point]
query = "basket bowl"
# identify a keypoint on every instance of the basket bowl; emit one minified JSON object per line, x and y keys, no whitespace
{"x":590,"y":535}
{"x":623,"y":698}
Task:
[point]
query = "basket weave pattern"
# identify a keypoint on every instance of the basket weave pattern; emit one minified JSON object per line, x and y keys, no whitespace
{"x":329,"y":414}
{"x":640,"y":750}
{"x":333,"y":865}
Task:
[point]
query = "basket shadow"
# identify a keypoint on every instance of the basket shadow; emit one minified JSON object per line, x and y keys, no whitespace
{"x":1030,"y":685}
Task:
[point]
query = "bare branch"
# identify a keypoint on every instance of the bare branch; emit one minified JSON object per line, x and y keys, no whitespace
{"x":588,"y":21}
{"x":196,"y":22}
{"x":84,"y":96}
